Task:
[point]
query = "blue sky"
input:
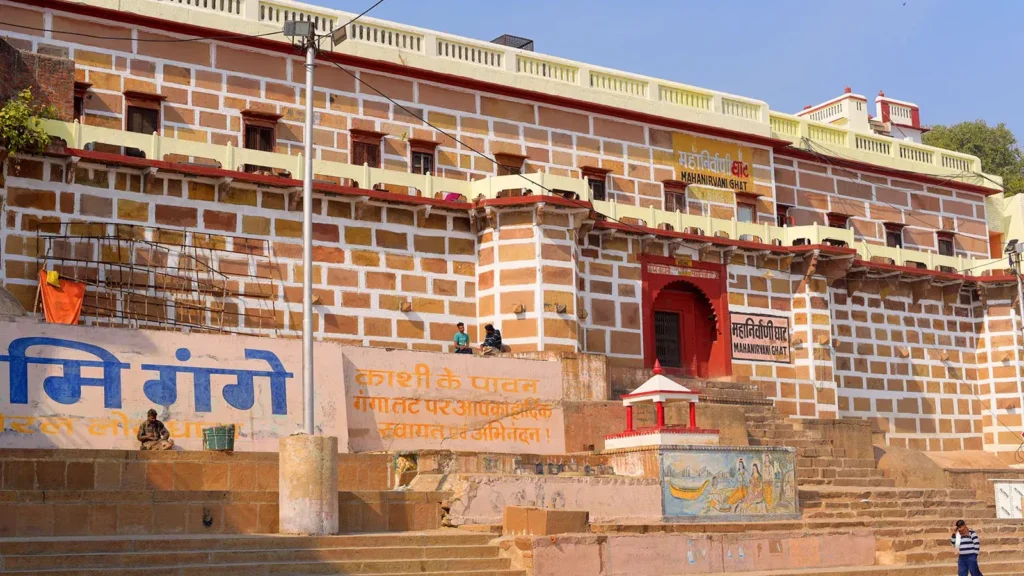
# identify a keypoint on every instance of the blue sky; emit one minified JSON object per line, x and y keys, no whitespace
{"x":957,"y":59}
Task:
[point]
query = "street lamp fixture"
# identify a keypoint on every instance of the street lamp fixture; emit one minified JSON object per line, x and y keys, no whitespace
{"x":298,"y":29}
{"x":340,"y":35}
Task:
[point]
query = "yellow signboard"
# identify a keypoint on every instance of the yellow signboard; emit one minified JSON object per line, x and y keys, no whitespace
{"x":715,"y":163}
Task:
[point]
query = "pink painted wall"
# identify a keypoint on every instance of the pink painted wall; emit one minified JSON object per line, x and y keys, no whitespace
{"x":42,"y":407}
{"x":675,"y":554}
{"x":402,"y":400}
{"x":370,"y":398}
{"x":481,"y":499}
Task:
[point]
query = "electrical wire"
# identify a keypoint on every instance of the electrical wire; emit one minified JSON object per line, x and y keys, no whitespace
{"x":1020,"y":450}
{"x":150,"y":40}
{"x":357,"y":17}
{"x":874,"y":196}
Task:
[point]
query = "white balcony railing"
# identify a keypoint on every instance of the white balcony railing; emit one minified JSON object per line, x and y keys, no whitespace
{"x":735,"y":112}
{"x":79,"y":136}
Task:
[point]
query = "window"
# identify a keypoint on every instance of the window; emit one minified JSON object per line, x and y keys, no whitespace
{"x":366,"y":148}
{"x":675,"y":196}
{"x":597,"y":181}
{"x":143,"y":120}
{"x":838,"y":220}
{"x":782,"y":215}
{"x":946,"y":245}
{"x":259,"y":132}
{"x":422,"y":163}
{"x":80,"y":89}
{"x":259,"y":138}
{"x":422,"y":156}
{"x":364,"y":153}
{"x":746,"y":208}
{"x":142,"y":115}
{"x":509,"y":164}
{"x":894,"y":235}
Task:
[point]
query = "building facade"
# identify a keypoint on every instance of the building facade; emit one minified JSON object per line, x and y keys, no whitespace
{"x":827,"y":256}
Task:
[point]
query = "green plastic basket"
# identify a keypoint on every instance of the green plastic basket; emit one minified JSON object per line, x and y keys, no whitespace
{"x":219,"y":438}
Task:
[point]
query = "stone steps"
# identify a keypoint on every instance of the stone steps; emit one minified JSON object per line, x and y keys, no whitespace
{"x":850,"y":482}
{"x":995,"y":566}
{"x":837,"y":472}
{"x":439,"y":552}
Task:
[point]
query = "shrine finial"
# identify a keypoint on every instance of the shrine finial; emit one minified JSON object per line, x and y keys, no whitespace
{"x":657,"y":367}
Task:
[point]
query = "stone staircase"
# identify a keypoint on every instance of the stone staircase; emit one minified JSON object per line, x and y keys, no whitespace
{"x":839,"y":492}
{"x":432,"y":553}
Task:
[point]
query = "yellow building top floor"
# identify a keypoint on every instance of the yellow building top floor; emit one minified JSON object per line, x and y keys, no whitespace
{"x":499,"y":65}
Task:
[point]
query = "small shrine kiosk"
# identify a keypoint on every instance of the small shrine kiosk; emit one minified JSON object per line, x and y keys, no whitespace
{"x":660,"y":389}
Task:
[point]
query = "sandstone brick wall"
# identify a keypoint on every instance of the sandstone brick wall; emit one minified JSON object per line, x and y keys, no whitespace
{"x":909,"y":367}
{"x":611,"y":293}
{"x":369,"y":257}
{"x":1000,"y":372}
{"x":527,"y":278}
{"x":50,"y":78}
{"x":207,"y":85}
{"x":814,"y":189}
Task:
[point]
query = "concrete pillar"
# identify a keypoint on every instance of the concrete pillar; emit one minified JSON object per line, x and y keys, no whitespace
{"x":308,"y":491}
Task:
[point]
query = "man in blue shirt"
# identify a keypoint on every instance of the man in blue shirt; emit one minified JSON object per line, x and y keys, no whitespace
{"x":462,"y":340}
{"x":967,"y":544}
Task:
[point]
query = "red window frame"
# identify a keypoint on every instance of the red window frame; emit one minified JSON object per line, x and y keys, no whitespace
{"x":426,"y":148}
{"x":676,"y":199}
{"x":945,"y":238}
{"x":143,"y":101}
{"x":746,"y":201}
{"x":366,"y":147}
{"x":894,"y":230}
{"x":838,"y":220}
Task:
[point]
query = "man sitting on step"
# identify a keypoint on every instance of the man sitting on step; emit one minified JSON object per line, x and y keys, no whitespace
{"x":153,"y":434}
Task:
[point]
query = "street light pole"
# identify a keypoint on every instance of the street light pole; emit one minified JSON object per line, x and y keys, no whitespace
{"x":307,"y":246}
{"x":305,"y":34}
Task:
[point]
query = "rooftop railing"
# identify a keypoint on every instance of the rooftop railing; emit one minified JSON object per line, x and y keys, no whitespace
{"x":153,"y":146}
{"x":595,"y":83}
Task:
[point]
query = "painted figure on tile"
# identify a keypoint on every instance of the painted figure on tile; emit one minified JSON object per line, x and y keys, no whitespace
{"x":729,"y":484}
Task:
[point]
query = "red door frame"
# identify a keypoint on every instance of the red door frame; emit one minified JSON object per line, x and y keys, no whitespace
{"x":711,"y":281}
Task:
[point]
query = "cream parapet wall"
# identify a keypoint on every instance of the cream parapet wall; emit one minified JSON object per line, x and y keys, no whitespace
{"x":78,"y":136}
{"x":488,"y":62}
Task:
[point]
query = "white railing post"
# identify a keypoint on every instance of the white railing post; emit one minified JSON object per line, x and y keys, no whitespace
{"x":511,"y":61}
{"x":76,"y":135}
{"x":653,"y":222}
{"x":428,"y":186}
{"x":229,"y":157}
{"x":430,"y":45}
{"x":250,"y":9}
{"x":716,"y":104}
{"x":300,"y":167}
{"x":815,"y":234}
{"x":367,"y":185}
{"x":155,"y":148}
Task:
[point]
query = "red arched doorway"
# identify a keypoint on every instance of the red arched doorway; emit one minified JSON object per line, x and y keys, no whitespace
{"x":684,"y":330}
{"x":686,"y":311}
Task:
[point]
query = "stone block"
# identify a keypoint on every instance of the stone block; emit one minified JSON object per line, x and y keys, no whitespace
{"x":520,"y":521}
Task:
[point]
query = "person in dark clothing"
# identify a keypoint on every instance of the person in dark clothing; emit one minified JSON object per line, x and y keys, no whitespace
{"x":153,"y":435}
{"x":968,"y":546}
{"x":492,"y":341}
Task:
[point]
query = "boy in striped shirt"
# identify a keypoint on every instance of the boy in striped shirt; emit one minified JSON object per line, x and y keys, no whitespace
{"x":966,"y":541}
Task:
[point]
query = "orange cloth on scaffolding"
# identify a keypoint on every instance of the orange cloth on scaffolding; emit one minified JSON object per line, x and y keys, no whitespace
{"x":61,"y":305}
